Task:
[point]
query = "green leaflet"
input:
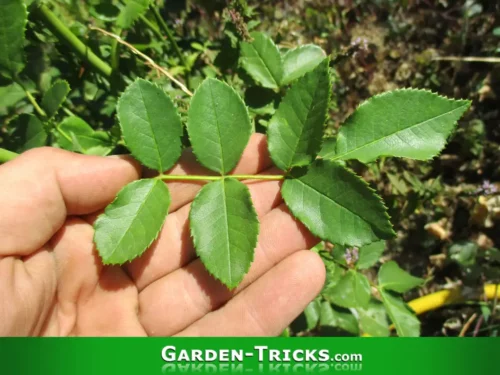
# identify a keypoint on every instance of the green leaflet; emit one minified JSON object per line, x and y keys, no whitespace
{"x":132,"y":222}
{"x":295,"y":131}
{"x":131,"y":12}
{"x":300,"y":60}
{"x":54,"y":97}
{"x":87,"y":138}
{"x":262,"y":60}
{"x":370,"y":254}
{"x":13,"y":17}
{"x":335,"y":317}
{"x":218,"y":126}
{"x":404,"y":123}
{"x":312,"y":313}
{"x":336,"y":205}
{"x":29,"y":133}
{"x":150,"y":125}
{"x":352,"y":290}
{"x":225,"y":227}
{"x":391,"y":277}
{"x":373,"y":319}
{"x":405,"y":321}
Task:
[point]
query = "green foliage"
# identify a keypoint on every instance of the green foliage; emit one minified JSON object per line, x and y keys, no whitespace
{"x":74,"y":134}
{"x":12,"y":23}
{"x":391,"y":277}
{"x":262,"y":60}
{"x":370,"y":254}
{"x":132,"y":221}
{"x":335,"y":317}
{"x":296,"y":130}
{"x":403,"y":123}
{"x":373,"y":319}
{"x":131,"y":12}
{"x":300,"y":60}
{"x":29,"y":133}
{"x":293,"y":101}
{"x":352,"y":290}
{"x":54,"y":97}
{"x":150,"y":125}
{"x":218,"y":126}
{"x":405,"y":321}
{"x":224,"y":227}
{"x":350,"y":212}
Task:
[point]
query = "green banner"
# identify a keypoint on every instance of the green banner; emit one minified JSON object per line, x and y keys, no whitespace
{"x":422,"y":356}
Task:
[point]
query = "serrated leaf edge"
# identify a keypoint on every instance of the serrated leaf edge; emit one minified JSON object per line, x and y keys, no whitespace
{"x":328,"y":100}
{"x":104,"y":262}
{"x":118,"y":103}
{"x":465,"y":102}
{"x":375,"y":193}
{"x":244,"y":64}
{"x":230,"y":286}
{"x":246,"y":112}
{"x":298,"y":48}
{"x":63,"y":99}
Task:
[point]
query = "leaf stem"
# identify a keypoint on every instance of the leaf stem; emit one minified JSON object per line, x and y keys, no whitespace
{"x":64,"y":34}
{"x":6,"y":155}
{"x":216,"y":178}
{"x":32,"y":100}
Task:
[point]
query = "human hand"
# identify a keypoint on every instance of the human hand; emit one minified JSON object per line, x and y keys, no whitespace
{"x":52,"y":281}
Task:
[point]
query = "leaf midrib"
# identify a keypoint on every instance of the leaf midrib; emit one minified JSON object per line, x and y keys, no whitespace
{"x":226,"y":222}
{"x":301,"y":130}
{"x":276,"y":81}
{"x":223,"y":171}
{"x":125,"y":232}
{"x":330,"y":199}
{"x":397,"y":131}
{"x":160,"y":163}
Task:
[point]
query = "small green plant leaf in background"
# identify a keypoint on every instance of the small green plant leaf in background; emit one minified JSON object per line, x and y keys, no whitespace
{"x":89,"y":141}
{"x":403,"y":123}
{"x":332,"y":316}
{"x":298,"y":61}
{"x":131,"y":12}
{"x":218,"y":125}
{"x":132,"y":222}
{"x":405,"y":321}
{"x":352,"y":290}
{"x":373,"y":319}
{"x":12,"y":23}
{"x":312,"y":313}
{"x":392,"y":277}
{"x":262,"y":60}
{"x":29,"y":133}
{"x":150,"y":124}
{"x":54,"y":97}
{"x":336,"y":205}
{"x":296,"y":129}
{"x":224,"y":227}
{"x":370,"y":254}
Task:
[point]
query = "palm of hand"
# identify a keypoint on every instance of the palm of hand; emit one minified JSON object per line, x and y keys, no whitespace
{"x":54,"y":283}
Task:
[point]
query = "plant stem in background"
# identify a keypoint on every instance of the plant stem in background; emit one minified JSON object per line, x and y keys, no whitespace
{"x":6,"y":155}
{"x":163,"y":25}
{"x":148,"y":61}
{"x":32,"y":100}
{"x":215,"y":178}
{"x":152,"y":27}
{"x":64,"y":34}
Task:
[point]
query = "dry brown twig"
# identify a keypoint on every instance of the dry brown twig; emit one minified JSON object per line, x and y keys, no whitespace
{"x":148,"y":60}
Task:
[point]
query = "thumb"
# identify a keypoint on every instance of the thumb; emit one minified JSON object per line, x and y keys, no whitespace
{"x":40,"y":188}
